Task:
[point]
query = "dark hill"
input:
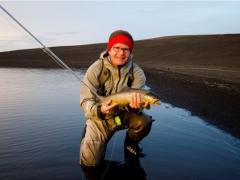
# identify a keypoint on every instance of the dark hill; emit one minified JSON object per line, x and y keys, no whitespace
{"x":183,"y":51}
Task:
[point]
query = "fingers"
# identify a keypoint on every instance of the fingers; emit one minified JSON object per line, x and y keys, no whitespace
{"x":108,"y":102}
{"x":106,"y":108}
{"x":110,"y":108}
{"x":136,"y":100}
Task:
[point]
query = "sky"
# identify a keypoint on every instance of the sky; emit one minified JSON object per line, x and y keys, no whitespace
{"x":70,"y":23}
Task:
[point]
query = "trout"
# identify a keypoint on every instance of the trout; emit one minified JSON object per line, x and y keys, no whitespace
{"x":123,"y":97}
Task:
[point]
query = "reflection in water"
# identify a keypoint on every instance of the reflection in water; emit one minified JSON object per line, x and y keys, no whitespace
{"x":41,"y":125}
{"x":109,"y":170}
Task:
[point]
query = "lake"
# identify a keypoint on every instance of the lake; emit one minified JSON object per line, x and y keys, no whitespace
{"x":41,"y":124}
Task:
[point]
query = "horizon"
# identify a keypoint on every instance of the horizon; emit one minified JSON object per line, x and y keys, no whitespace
{"x":134,"y":41}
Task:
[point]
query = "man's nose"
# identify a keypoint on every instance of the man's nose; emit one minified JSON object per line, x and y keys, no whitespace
{"x":121,"y":51}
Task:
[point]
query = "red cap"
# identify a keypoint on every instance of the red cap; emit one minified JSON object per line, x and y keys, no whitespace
{"x":120,"y":36}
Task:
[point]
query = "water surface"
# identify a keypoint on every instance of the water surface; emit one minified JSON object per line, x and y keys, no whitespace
{"x":41,"y":125}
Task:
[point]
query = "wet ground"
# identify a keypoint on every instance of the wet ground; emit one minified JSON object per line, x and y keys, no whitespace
{"x":216,"y":99}
{"x":41,"y":125}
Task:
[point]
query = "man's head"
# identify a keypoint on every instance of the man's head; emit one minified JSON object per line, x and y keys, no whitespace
{"x":120,"y":36}
{"x":120,"y":46}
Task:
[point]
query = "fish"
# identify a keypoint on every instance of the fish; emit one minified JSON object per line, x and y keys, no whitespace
{"x":123,"y":98}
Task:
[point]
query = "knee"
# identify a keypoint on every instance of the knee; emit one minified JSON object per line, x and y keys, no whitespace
{"x":146,"y":120}
{"x":92,"y":153}
{"x":143,"y":122}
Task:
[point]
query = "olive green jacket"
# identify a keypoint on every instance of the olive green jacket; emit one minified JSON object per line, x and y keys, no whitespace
{"x":116,"y":82}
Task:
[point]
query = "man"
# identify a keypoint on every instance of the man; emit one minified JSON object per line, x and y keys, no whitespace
{"x":103,"y":119}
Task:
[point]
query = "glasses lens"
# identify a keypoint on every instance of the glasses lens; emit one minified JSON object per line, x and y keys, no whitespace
{"x":118,"y":49}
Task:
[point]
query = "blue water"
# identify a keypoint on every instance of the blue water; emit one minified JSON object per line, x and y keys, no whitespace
{"x":41,"y":125}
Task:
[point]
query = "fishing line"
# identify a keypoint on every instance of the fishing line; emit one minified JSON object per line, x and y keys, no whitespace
{"x":63,"y":65}
{"x":114,"y":142}
{"x":55,"y":60}
{"x":20,"y":30}
{"x":31,"y":40}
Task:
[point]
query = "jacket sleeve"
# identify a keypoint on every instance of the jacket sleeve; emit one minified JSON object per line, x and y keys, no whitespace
{"x":88,"y":100}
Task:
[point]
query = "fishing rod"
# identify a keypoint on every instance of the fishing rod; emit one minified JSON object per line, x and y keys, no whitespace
{"x":51,"y":54}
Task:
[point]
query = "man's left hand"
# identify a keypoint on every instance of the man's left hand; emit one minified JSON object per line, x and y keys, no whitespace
{"x":136,"y":102}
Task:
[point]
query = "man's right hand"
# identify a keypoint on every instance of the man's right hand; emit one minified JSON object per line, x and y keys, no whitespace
{"x":106,"y":108}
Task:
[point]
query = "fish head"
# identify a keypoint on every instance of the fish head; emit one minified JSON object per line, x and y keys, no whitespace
{"x":152,"y":98}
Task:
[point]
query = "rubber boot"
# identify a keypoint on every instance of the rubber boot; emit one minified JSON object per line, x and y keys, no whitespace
{"x":133,"y":147}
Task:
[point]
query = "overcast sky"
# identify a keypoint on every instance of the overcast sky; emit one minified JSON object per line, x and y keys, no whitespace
{"x":63,"y":23}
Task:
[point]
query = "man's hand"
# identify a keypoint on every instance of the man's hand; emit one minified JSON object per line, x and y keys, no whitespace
{"x":106,"y":109}
{"x":136,"y":103}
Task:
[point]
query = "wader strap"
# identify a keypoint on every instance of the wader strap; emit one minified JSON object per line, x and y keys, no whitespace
{"x":104,"y":74}
{"x":131,"y":77}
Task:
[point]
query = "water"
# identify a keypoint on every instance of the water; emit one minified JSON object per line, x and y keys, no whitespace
{"x":41,"y":125}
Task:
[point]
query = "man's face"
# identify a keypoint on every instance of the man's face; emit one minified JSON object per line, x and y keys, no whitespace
{"x":119,"y":54}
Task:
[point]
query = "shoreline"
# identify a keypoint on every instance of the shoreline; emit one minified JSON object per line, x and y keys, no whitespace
{"x":199,"y":73}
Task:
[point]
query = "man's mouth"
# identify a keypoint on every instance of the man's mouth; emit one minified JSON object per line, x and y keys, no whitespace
{"x":121,"y":58}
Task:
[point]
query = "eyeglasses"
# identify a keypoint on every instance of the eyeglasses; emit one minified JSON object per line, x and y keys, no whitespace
{"x":118,"y":49}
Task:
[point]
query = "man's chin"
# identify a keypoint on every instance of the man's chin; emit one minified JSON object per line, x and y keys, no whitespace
{"x":120,"y":64}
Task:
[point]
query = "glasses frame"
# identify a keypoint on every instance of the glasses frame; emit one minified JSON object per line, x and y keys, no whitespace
{"x":118,"y":49}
